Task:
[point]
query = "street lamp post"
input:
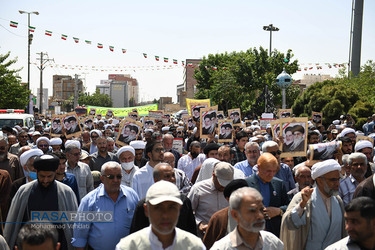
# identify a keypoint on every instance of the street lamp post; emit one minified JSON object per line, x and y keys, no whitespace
{"x":29,"y":40}
{"x":270,"y":28}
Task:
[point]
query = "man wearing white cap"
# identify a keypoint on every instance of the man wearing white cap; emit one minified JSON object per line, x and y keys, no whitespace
{"x":207,"y":196}
{"x":358,"y":166}
{"x":43,"y":144}
{"x":162,"y":207}
{"x":139,"y":147}
{"x":349,"y":132}
{"x":55,"y":143}
{"x":94,"y":134}
{"x":126,"y":156}
{"x":315,"y":216}
{"x":366,"y":147}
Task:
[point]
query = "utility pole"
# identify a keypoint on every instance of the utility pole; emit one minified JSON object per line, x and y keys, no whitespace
{"x":356,"y":37}
{"x":76,"y":81}
{"x":41,"y":68}
{"x":270,"y":28}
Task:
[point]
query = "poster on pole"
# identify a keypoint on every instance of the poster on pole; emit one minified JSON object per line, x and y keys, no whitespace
{"x":294,"y":132}
{"x":235,"y":115}
{"x":208,"y":121}
{"x":129,"y":131}
{"x":225,"y":130}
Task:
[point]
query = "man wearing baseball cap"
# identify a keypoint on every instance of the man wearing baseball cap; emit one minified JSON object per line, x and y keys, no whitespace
{"x":207,"y":196}
{"x":162,"y":207}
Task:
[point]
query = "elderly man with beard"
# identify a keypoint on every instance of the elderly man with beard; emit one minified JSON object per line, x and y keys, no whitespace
{"x":162,"y":207}
{"x":315,"y":216}
{"x":126,"y":155}
{"x":366,"y":147}
{"x":247,"y":209}
{"x":358,"y":166}
{"x":288,"y":141}
{"x":43,"y":194}
{"x":252,"y":154}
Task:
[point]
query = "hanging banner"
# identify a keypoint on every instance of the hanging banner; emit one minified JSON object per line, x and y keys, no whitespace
{"x":121,"y":112}
{"x":196,"y":105}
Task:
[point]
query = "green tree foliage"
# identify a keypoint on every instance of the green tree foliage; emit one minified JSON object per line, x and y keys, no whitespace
{"x":240,"y":79}
{"x":95,"y":99}
{"x":13,"y":94}
{"x":353,"y":95}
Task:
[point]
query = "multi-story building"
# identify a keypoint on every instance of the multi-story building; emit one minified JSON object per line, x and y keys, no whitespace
{"x":310,"y":79}
{"x":187,"y":88}
{"x":63,"y":87}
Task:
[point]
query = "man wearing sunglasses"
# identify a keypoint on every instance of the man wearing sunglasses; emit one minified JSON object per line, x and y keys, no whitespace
{"x":283,"y":171}
{"x":22,"y":141}
{"x":111,"y":196}
{"x":315,"y":217}
{"x":43,"y":144}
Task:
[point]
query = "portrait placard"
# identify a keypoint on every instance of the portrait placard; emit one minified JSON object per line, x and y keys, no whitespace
{"x":133,"y":115}
{"x":109,"y":114}
{"x":220,"y":116}
{"x":129,"y":131}
{"x":294,"y":131}
{"x":323,"y":151}
{"x":367,"y":138}
{"x":56,"y":126}
{"x":208,"y":121}
{"x":71,"y":126}
{"x":284,"y":113}
{"x":92,"y":111}
{"x":148,"y":122}
{"x":275,"y":125}
{"x":189,"y":123}
{"x":89,"y":122}
{"x":235,"y":115}
{"x":225,"y":130}
{"x":317,"y":118}
{"x":157,"y":115}
{"x":196,"y":111}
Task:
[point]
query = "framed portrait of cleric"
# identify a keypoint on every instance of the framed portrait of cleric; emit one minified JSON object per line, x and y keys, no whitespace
{"x":225,"y":130}
{"x":89,"y":122}
{"x":71,"y":126}
{"x":317,"y":118}
{"x":109,"y":114}
{"x":165,"y":120}
{"x":190,"y":123}
{"x":56,"y":126}
{"x":275,"y":125}
{"x":133,"y":115}
{"x":129,"y":131}
{"x":135,"y":110}
{"x":92,"y":111}
{"x":284,"y":113}
{"x":208,"y":121}
{"x":148,"y":122}
{"x":294,"y":132}
{"x":98,"y":116}
{"x":196,"y":111}
{"x":367,"y":138}
{"x":235,"y":115}
{"x":323,"y":151}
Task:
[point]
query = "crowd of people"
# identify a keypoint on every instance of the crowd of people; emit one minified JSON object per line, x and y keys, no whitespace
{"x":241,"y":194}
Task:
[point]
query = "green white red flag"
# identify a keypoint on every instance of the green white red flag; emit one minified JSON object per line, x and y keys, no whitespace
{"x":100,"y":46}
{"x":13,"y":24}
{"x":145,"y":55}
{"x":111,"y":48}
{"x":76,"y":40}
{"x":87,"y":42}
{"x":48,"y":33}
{"x":174,"y":61}
{"x":157,"y":58}
{"x":165,"y":59}
{"x":190,"y":64}
{"x":31,"y":28}
{"x":124,"y":51}
{"x":64,"y":37}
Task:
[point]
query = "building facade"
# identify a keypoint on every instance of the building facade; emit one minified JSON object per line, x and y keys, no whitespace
{"x":187,"y":88}
{"x":63,"y":87}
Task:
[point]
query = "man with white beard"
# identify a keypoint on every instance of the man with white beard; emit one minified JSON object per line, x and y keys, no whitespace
{"x":246,"y":206}
{"x":299,"y":139}
{"x":126,"y":156}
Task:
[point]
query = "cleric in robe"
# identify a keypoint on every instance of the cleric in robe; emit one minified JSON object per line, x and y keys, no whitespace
{"x":43,"y":194}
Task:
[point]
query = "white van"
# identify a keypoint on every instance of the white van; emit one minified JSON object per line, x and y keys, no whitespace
{"x":11,"y":119}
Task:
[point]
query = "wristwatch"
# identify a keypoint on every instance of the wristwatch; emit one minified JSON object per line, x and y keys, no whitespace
{"x":281,"y":212}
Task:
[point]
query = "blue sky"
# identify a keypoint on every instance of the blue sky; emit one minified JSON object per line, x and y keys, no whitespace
{"x":316,"y":31}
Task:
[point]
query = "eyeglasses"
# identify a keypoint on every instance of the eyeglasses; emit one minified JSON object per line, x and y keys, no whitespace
{"x":77,"y":154}
{"x":111,"y":176}
{"x":278,"y":152}
{"x":43,"y":145}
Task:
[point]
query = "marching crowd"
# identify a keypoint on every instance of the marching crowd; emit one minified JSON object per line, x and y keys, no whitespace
{"x":235,"y":195}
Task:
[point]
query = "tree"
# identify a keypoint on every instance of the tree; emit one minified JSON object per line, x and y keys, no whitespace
{"x":238,"y":79}
{"x":95,"y":99}
{"x":13,"y":94}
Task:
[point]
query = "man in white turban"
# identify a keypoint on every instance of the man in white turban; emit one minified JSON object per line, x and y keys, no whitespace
{"x":365,"y":147}
{"x":315,"y":216}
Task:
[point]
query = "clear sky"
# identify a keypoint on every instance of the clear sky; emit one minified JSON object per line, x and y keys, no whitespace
{"x":317,"y":32}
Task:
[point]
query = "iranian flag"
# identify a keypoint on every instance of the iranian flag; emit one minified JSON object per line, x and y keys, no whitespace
{"x":145,"y":55}
{"x":111,"y":48}
{"x":48,"y":33}
{"x":124,"y":51}
{"x":87,"y":42}
{"x":224,"y":68}
{"x":214,"y":67}
{"x":174,"y":61}
{"x":190,"y":64}
{"x":183,"y":63}
{"x":166,"y":59}
{"x":13,"y":24}
{"x":76,"y":40}
{"x":64,"y":37}
{"x":100,"y":46}
{"x":157,"y":58}
{"x":31,"y":28}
